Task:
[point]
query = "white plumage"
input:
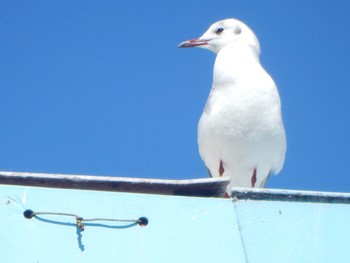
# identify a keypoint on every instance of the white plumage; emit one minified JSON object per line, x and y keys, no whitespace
{"x":240,"y":133}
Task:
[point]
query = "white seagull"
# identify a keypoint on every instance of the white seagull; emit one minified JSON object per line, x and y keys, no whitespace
{"x":240,"y":133}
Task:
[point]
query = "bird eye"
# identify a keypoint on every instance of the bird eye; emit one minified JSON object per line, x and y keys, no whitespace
{"x":219,"y":30}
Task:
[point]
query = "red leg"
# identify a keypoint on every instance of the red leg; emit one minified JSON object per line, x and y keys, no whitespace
{"x":253,"y":179}
{"x":221,"y":168}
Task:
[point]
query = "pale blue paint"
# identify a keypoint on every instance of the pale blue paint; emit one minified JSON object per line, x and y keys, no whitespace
{"x":282,"y":231}
{"x":181,"y":229}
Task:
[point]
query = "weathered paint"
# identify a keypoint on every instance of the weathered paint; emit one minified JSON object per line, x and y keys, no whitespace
{"x":255,"y":226}
{"x":207,"y":187}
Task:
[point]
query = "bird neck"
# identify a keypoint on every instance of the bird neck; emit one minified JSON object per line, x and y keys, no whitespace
{"x":235,"y":63}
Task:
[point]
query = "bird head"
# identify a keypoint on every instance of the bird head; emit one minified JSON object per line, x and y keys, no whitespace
{"x":223,"y":33}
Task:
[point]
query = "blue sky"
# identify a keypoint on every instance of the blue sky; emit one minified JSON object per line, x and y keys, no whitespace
{"x":100,"y":87}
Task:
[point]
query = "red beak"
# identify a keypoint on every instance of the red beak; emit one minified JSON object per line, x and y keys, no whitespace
{"x":193,"y":43}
